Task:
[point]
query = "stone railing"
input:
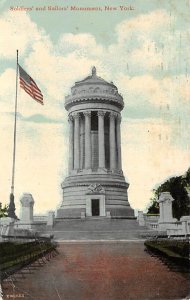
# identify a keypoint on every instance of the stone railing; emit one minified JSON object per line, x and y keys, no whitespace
{"x":3,"y":229}
{"x":153,"y":226}
{"x":151,"y":221}
{"x":40,"y":218}
{"x":179,"y":228}
{"x":172,"y":228}
{"x":6,"y":226}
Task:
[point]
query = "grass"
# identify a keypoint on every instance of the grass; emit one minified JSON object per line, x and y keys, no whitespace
{"x":175,"y":250}
{"x":14,"y":254}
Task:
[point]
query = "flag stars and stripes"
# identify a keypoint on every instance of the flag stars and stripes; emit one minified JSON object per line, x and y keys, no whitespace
{"x":29,"y":86}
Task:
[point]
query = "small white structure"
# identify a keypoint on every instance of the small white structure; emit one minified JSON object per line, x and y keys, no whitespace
{"x":165,"y":221}
{"x":148,"y":220}
{"x":6,"y":226}
{"x":27,"y":203}
{"x":181,"y":227}
{"x":50,"y":218}
{"x":141,"y":218}
{"x":165,"y":203}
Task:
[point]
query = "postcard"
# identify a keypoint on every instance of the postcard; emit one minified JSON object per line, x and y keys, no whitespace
{"x":95,"y":105}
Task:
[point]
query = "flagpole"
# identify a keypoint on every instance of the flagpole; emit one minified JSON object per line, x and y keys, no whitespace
{"x":11,"y":209}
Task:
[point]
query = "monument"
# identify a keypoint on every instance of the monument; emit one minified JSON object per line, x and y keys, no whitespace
{"x":95,"y":185}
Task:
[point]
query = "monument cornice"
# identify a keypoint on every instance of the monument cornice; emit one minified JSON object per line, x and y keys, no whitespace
{"x":71,"y":101}
{"x":85,"y":184}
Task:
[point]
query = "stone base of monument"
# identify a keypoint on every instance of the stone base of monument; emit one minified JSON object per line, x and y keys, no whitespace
{"x":95,"y":194}
{"x":98,"y":228}
{"x":79,"y":213}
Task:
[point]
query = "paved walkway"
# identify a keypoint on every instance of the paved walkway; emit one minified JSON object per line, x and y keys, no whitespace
{"x":100,"y":271}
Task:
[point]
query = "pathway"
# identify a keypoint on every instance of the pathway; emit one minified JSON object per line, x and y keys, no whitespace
{"x":101,"y":271}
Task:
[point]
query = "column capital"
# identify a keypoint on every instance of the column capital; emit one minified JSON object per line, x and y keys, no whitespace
{"x":101,"y":113}
{"x":113,"y":115}
{"x":70,"y":118}
{"x":87,"y":113}
{"x":76,"y":115}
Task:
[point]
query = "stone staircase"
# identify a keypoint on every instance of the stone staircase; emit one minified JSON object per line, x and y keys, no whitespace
{"x":98,"y":229}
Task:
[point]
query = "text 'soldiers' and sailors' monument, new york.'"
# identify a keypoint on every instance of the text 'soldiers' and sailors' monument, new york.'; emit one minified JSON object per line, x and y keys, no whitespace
{"x":95,"y":185}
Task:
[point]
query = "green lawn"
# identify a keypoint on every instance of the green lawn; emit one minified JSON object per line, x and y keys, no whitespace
{"x":14,"y":255}
{"x":177,"y":250}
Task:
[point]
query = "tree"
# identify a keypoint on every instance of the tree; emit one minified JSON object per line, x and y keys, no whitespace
{"x":154,"y":207}
{"x":3,"y":210}
{"x":178,"y":187}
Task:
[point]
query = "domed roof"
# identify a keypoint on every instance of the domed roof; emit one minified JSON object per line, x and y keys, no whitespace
{"x":94,"y":89}
{"x":94,"y":79}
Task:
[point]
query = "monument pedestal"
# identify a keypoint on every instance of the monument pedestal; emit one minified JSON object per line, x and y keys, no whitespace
{"x":80,"y":191}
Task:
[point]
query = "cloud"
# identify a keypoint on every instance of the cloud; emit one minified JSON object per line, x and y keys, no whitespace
{"x":145,"y":96}
{"x":149,"y":157}
{"x":151,"y":43}
{"x":150,"y":25}
{"x":84,"y":44}
{"x":15,"y":34}
{"x":38,"y":118}
{"x":7,"y":87}
{"x":144,"y":89}
{"x":40,"y":162}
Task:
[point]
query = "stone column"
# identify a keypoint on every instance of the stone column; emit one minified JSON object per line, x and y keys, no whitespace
{"x":141,"y":219}
{"x":87,"y":115}
{"x":76,"y":141}
{"x":71,"y":142}
{"x":185,"y":220}
{"x":27,"y":203}
{"x":112,"y":141}
{"x":81,"y":144}
{"x":119,"y":165}
{"x":101,"y":142}
{"x":165,"y":204}
{"x":7,"y":226}
{"x":50,"y":219}
{"x":161,"y":211}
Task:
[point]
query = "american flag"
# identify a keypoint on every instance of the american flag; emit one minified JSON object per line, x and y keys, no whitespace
{"x":29,"y":85}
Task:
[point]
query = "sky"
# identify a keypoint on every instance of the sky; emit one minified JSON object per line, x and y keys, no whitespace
{"x":142,"y":47}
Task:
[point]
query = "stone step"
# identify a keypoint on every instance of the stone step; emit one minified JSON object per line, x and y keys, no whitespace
{"x":98,"y":229}
{"x":97,"y":223}
{"x":104,"y":235}
{"x":96,"y":236}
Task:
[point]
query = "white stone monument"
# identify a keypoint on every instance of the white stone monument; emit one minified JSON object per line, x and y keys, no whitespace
{"x":7,"y":226}
{"x":165,"y":204}
{"x":27,"y":203}
{"x":141,"y":219}
{"x":185,"y":220}
{"x":50,"y":218}
{"x":94,"y":111}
